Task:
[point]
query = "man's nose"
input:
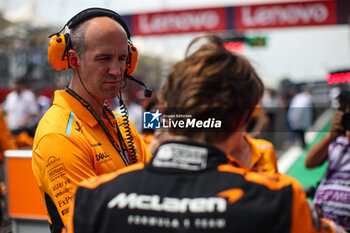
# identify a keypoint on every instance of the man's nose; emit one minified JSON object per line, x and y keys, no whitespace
{"x":116,"y":68}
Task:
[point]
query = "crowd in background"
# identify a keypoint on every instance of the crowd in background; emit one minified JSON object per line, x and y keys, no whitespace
{"x":279,"y":122}
{"x":285,"y":114}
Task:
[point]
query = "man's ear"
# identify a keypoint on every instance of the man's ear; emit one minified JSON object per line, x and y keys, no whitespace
{"x":73,"y":59}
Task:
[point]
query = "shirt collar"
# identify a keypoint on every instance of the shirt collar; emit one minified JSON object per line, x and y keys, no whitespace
{"x":255,"y":153}
{"x":65,"y":100}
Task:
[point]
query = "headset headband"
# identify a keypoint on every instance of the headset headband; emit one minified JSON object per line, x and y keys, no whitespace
{"x":60,"y":44}
{"x":95,"y":12}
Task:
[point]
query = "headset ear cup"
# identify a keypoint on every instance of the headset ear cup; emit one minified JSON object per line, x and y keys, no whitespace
{"x":131,"y":61}
{"x":56,"y":52}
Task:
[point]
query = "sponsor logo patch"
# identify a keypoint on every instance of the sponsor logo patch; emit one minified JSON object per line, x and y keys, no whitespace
{"x":56,"y":171}
{"x":101,"y":156}
{"x":51,"y":160}
{"x":181,"y":157}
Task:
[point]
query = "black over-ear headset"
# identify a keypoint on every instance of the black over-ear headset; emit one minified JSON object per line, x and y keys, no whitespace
{"x":60,"y":43}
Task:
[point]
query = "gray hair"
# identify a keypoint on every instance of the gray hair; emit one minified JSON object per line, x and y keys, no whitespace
{"x":77,"y":37}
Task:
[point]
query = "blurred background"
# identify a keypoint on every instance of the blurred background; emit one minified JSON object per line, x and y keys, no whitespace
{"x":299,"y":48}
{"x":292,"y":44}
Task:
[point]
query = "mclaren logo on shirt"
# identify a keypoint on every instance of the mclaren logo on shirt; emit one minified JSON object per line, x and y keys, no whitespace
{"x":168,"y":204}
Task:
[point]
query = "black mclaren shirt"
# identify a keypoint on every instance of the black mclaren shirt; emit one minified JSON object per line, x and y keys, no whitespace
{"x":189,"y":187}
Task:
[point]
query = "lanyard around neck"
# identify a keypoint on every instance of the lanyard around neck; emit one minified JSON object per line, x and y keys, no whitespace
{"x":123,"y":152}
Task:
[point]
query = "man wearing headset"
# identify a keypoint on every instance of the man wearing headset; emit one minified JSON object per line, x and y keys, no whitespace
{"x":80,"y":137}
{"x":190,"y":185}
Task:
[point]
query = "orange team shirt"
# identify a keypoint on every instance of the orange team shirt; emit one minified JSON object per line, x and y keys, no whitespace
{"x":147,"y":138}
{"x":7,"y":142}
{"x":264,"y":159}
{"x":69,"y":147}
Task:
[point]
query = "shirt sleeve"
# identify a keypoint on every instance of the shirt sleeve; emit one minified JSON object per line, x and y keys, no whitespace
{"x":59,"y":164}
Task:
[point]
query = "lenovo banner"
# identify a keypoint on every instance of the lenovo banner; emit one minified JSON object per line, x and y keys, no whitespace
{"x":184,"y":21}
{"x":284,"y":15}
